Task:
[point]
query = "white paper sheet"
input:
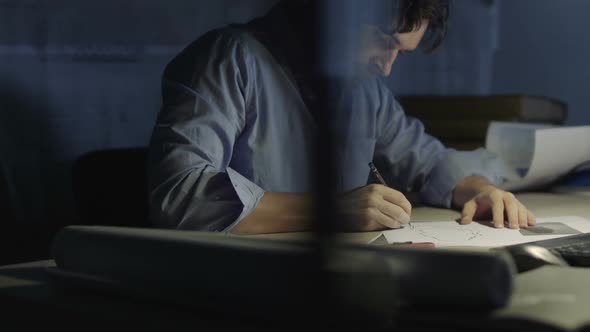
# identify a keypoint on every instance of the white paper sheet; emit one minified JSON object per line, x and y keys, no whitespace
{"x":452,"y":234}
{"x":514,"y":142}
{"x":536,"y":155}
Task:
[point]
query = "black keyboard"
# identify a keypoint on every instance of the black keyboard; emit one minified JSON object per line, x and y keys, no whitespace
{"x":574,"y":249}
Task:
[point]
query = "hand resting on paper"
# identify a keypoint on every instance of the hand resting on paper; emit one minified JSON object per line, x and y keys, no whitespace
{"x":479,"y":200}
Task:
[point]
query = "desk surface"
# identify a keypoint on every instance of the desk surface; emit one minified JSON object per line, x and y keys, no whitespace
{"x":541,"y":204}
{"x":550,"y":298}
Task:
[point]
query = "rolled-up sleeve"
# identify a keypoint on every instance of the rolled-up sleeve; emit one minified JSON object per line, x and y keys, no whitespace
{"x":412,"y":160}
{"x":455,"y":166}
{"x":205,"y":93}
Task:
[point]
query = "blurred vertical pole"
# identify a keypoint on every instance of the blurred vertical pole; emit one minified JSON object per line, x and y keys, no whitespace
{"x":338,"y":23}
{"x":336,"y":49}
{"x":325,"y":163}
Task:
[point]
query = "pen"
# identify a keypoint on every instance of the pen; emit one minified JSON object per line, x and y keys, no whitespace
{"x":376,"y":173}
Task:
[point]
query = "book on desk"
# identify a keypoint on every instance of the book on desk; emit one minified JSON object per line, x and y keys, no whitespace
{"x":461,"y":121}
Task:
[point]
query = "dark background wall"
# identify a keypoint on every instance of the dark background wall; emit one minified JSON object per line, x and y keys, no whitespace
{"x":544,"y":49}
{"x":80,"y":75}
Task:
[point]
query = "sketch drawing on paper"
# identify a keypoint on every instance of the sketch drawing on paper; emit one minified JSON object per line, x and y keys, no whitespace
{"x":458,"y":233}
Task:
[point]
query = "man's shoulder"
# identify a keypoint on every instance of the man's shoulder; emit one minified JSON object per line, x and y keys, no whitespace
{"x":228,"y":43}
{"x":222,"y":40}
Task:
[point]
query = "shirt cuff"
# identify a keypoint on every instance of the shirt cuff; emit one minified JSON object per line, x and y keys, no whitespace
{"x":249,"y":193}
{"x":456,"y":166}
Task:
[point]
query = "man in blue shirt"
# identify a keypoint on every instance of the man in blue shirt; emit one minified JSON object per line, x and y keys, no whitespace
{"x":236,"y":133}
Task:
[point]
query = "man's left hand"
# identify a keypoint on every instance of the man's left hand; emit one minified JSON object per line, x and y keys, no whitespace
{"x":489,"y":201}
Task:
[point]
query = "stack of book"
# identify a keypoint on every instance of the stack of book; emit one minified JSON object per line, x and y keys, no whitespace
{"x":461,"y":122}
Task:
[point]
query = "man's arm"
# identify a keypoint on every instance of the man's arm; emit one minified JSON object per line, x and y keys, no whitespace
{"x":377,"y":207}
{"x":278,"y":213}
{"x":191,"y":184}
{"x":479,"y":199}
{"x":446,"y":178}
{"x":370,"y":208}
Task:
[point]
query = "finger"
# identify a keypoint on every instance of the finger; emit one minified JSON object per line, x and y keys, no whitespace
{"x":384,"y":219}
{"x":531,"y":219}
{"x":497,"y":210}
{"x":468,"y":212}
{"x":511,"y":208}
{"x":522,"y":216}
{"x":395,"y":212}
{"x":395,"y":197}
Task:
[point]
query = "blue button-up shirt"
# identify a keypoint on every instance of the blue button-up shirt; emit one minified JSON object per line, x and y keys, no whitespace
{"x":234,"y":125}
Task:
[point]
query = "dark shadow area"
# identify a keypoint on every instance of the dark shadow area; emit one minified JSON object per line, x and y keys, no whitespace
{"x":110,"y":187}
{"x":6,"y":209}
{"x":24,"y":243}
{"x":25,"y":230}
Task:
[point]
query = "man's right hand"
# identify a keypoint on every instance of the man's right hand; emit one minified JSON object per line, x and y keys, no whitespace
{"x":374,"y":208}
{"x":366,"y":209}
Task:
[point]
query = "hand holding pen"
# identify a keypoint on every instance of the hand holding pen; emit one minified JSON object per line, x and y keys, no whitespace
{"x":374,"y":208}
{"x":380,"y":178}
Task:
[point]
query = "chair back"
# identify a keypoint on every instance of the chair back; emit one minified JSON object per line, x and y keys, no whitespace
{"x":110,"y":187}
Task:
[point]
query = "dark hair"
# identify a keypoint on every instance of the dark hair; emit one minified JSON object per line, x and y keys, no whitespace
{"x":407,"y":17}
{"x":413,"y":12}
